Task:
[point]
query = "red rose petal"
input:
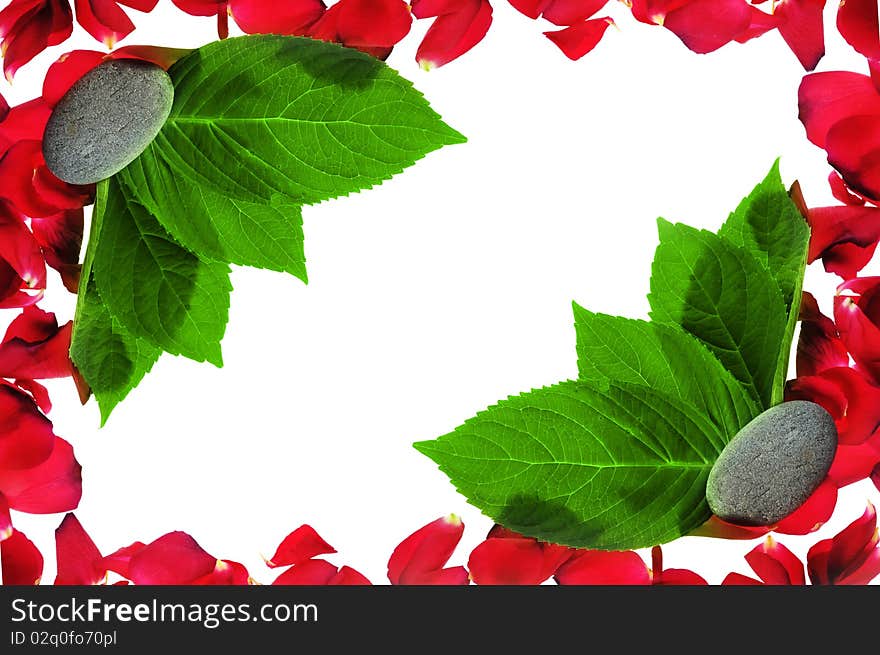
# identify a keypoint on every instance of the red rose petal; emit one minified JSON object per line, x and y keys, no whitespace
{"x":53,"y":486}
{"x":569,"y":12}
{"x":775,"y":564}
{"x":844,"y":237}
{"x":803,"y":29}
{"x":596,"y":567}
{"x":60,"y":238}
{"x":39,"y":359}
{"x":827,"y":98}
{"x":654,"y":12}
{"x":79,"y":560}
{"x":226,"y":572}
{"x":66,"y":70}
{"x":814,"y":513}
{"x":759,"y":24}
{"x":26,"y":437}
{"x":853,"y":146}
{"x":28,"y":27}
{"x":310,"y":572}
{"x":20,"y":250}
{"x":857,"y":316}
{"x":737,"y":579}
{"x":857,"y":22}
{"x":420,"y":558}
{"x":293,"y":17}
{"x":843,"y":193}
{"x":531,"y":8}
{"x":851,"y":557}
{"x":819,"y":345}
{"x":24,"y":122}
{"x":5,"y":518}
{"x":581,"y":38}
{"x":451,"y":34}
{"x":875,"y":476}
{"x":119,"y":561}
{"x":300,"y":545}
{"x":348,"y":577}
{"x":174,"y":558}
{"x":507,"y":561}
{"x":706,"y":25}
{"x":22,"y":563}
{"x":671,"y":577}
{"x":162,"y":57}
{"x":201,"y":7}
{"x":373,"y":23}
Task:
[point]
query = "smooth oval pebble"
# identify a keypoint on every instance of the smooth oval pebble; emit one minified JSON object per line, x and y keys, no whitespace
{"x":106,"y":120}
{"x":773,"y":464}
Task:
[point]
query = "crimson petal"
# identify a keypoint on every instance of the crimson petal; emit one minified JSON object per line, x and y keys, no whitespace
{"x":581,"y":38}
{"x":51,"y":487}
{"x":310,"y":572}
{"x":79,"y":560}
{"x":452,"y":34}
{"x":293,"y":17}
{"x":827,"y":98}
{"x":775,"y":564}
{"x":22,"y":562}
{"x":857,"y":316}
{"x":420,"y":558}
{"x":596,"y":567}
{"x":28,"y":27}
{"x":174,"y":558}
{"x":569,"y":12}
{"x":706,"y":25}
{"x":853,"y":146}
{"x":302,"y":544}
{"x":226,"y":572}
{"x":26,"y":437}
{"x":857,"y":22}
{"x":802,"y":27}
{"x":5,"y":518}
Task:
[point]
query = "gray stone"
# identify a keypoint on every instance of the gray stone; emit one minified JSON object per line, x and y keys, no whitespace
{"x":106,"y":120}
{"x":773,"y":464}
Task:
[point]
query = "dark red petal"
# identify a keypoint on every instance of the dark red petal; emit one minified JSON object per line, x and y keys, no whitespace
{"x":37,"y":360}
{"x":373,"y":23}
{"x":18,"y":169}
{"x":310,"y":572}
{"x":201,"y":7}
{"x":853,"y":146}
{"x":843,"y":193}
{"x":60,"y":238}
{"x":531,"y":8}
{"x":422,"y":555}
{"x":79,"y":560}
{"x":452,"y":35}
{"x":569,"y":12}
{"x":25,"y":122}
{"x":857,"y":316}
{"x":875,"y":476}
{"x":293,"y":17}
{"x":26,"y":437}
{"x":825,"y":99}
{"x":66,"y":70}
{"x":857,"y":22}
{"x":854,"y":463}
{"x":348,"y":577}
{"x":20,"y":250}
{"x":174,"y":558}
{"x":119,"y":561}
{"x":680,"y":577}
{"x":226,"y":572}
{"x":4,"y":108}
{"x":737,"y":579}
{"x":596,"y":567}
{"x":719,"y":529}
{"x":27,"y":34}
{"x":817,"y":562}
{"x":5,"y":518}
{"x":162,"y":57}
{"x":814,"y":513}
{"x":22,"y":563}
{"x":300,"y":545}
{"x":507,"y":562}
{"x":775,"y":564}
{"x":53,"y":486}
{"x":845,"y":237}
{"x":853,"y":544}
{"x":581,"y":38}
{"x":802,"y":27}
{"x":706,"y":25}
{"x":819,"y":345}
{"x":104,"y":20}
{"x":759,"y":24}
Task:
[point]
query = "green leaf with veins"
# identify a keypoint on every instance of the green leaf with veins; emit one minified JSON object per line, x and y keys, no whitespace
{"x":613,"y":467}
{"x":722,"y":295}
{"x":155,"y":289}
{"x":770,"y":226}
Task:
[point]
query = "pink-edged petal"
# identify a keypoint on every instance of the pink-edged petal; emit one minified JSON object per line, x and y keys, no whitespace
{"x":226,"y":572}
{"x":22,"y":562}
{"x":827,"y":98}
{"x":857,"y":22}
{"x":119,"y":561}
{"x":802,"y":27}
{"x":570,"y":12}
{"x":302,"y":544}
{"x":814,"y":513}
{"x":595,"y":567}
{"x":174,"y":558}
{"x":79,"y":560}
{"x":348,"y":577}
{"x":453,"y":34}
{"x":739,"y":580}
{"x":310,"y":572}
{"x":775,"y":564}
{"x":66,"y":70}
{"x":420,"y":557}
{"x":26,"y":437}
{"x":706,"y":25}
{"x":51,"y":487}
{"x":5,"y":518}
{"x":853,"y":146}
{"x":581,"y":38}
{"x":293,"y":17}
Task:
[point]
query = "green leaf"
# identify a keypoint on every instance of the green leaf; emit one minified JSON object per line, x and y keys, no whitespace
{"x":157,"y":290}
{"x":769,"y":225}
{"x":264,"y":235}
{"x":617,"y":467}
{"x":616,"y":349}
{"x":726,"y":298}
{"x":106,"y":354}
{"x":261,"y":124}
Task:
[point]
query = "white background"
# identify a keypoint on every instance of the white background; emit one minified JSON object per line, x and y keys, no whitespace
{"x":440,"y":292}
